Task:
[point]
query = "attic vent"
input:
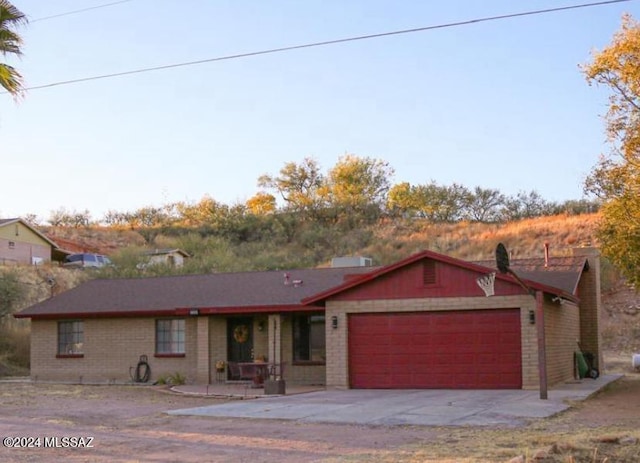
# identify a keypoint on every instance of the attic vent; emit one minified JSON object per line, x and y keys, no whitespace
{"x":429,"y":272}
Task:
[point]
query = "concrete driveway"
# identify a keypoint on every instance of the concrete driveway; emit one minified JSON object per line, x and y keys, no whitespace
{"x":409,"y":407}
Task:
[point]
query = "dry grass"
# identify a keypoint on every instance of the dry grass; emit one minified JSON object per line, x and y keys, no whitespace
{"x":477,"y":241}
{"x":535,"y":444}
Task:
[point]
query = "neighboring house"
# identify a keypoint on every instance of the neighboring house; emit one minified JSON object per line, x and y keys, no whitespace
{"x":170,"y":257}
{"x":21,"y":243}
{"x":422,"y":322}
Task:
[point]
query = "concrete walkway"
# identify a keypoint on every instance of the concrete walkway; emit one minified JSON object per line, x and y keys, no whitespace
{"x":409,"y":407}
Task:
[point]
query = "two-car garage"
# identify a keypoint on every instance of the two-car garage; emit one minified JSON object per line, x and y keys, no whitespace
{"x":463,"y":349}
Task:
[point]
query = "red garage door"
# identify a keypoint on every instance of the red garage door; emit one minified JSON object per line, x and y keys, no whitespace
{"x":477,"y":349}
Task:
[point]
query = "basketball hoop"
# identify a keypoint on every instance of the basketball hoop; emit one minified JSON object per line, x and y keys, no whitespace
{"x":486,"y":282}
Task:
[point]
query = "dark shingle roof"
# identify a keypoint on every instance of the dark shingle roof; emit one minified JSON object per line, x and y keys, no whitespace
{"x":221,"y":291}
{"x":560,"y":272}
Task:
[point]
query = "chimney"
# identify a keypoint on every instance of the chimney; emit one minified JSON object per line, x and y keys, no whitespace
{"x":546,"y":255}
{"x":590,"y":303}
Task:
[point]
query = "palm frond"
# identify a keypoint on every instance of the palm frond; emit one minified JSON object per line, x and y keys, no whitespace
{"x":10,"y":16}
{"x":10,"y":42}
{"x":11,"y":80}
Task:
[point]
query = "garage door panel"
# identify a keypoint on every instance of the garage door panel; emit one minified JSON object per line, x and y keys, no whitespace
{"x":462,"y":349}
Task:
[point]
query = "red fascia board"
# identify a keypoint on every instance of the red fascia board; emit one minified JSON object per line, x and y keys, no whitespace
{"x":435,"y":256}
{"x":177,"y":312}
{"x":111,"y":314}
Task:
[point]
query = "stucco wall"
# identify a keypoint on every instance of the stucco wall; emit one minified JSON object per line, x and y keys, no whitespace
{"x":22,"y":253}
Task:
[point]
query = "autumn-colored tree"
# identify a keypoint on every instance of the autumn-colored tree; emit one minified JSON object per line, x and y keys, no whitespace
{"x":261,"y":203}
{"x":298,"y":184}
{"x":207,"y":211}
{"x":357,"y":182}
{"x":616,"y":178}
{"x":402,"y":200}
{"x":10,"y":44}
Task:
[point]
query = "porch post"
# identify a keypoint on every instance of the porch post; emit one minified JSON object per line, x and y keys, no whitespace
{"x":542,"y":351}
{"x":275,"y":338}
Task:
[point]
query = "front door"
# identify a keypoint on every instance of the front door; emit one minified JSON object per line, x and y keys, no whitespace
{"x":240,"y":339}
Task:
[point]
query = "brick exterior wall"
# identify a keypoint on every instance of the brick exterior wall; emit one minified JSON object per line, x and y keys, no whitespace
{"x":111,"y":348}
{"x":561,"y":324}
{"x":203,"y":351}
{"x":589,"y":293}
{"x":562,"y":330}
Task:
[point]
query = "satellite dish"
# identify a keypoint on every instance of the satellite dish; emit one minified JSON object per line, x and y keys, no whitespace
{"x":502,"y":258}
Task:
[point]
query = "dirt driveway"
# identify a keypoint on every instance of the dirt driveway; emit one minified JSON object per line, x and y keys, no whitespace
{"x":128,"y":424}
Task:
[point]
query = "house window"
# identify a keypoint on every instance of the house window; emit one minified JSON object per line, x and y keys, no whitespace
{"x":70,"y":338}
{"x":309,"y":339}
{"x":170,"y":337}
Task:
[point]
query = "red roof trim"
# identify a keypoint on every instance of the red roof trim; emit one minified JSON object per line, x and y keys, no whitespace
{"x":111,"y":314}
{"x":177,"y":312}
{"x":320,"y":297}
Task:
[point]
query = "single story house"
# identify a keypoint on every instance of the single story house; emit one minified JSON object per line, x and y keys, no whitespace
{"x":170,"y":257}
{"x":422,"y":322}
{"x":21,"y":243}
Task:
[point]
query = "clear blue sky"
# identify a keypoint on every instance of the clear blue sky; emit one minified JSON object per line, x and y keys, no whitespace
{"x":498,"y":104}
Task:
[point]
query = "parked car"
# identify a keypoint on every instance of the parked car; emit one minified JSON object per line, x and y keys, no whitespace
{"x":86,"y":259}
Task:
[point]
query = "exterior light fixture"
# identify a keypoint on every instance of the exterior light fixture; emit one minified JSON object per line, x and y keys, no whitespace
{"x":532,"y":317}
{"x":260,"y":325}
{"x":334,"y":322}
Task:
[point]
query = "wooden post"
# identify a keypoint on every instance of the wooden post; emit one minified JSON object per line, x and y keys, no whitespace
{"x":542,"y":352}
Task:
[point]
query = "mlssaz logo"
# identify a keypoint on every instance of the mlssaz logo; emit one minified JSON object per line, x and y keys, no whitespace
{"x":68,"y":442}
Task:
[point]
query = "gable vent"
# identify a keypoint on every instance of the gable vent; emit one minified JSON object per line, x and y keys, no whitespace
{"x":429,"y":272}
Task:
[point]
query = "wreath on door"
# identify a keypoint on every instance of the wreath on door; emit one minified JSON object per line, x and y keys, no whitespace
{"x":241,"y":333}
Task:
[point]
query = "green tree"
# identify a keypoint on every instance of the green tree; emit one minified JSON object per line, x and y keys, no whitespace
{"x":356,"y":182}
{"x":484,"y":204}
{"x":10,"y":44}
{"x":299,"y":185}
{"x":616,"y":178}
{"x":11,"y":292}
